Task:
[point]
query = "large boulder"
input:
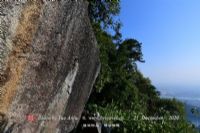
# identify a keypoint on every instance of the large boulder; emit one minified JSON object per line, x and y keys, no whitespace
{"x":48,"y":65}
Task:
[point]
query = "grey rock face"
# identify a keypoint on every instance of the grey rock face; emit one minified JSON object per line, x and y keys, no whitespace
{"x":48,"y":65}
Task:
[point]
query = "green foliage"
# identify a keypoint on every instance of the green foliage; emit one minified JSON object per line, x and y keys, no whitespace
{"x":103,"y":14}
{"x":103,"y":11}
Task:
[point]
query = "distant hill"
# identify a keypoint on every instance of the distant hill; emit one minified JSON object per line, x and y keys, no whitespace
{"x":189,"y":104}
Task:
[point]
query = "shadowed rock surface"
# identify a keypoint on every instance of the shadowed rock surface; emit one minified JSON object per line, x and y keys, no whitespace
{"x":48,"y":65}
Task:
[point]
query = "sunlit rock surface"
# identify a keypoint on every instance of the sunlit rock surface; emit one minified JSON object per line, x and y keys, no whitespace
{"x":48,"y":65}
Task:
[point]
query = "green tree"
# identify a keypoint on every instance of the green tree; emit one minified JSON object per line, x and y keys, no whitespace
{"x":102,"y":12}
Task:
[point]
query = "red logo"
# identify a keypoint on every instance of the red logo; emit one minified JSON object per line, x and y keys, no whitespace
{"x":31,"y":118}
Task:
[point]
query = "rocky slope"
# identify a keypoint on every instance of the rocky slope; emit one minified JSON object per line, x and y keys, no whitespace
{"x":48,"y":64}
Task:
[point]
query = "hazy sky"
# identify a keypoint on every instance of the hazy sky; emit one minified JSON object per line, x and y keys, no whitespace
{"x":170,"y":33}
